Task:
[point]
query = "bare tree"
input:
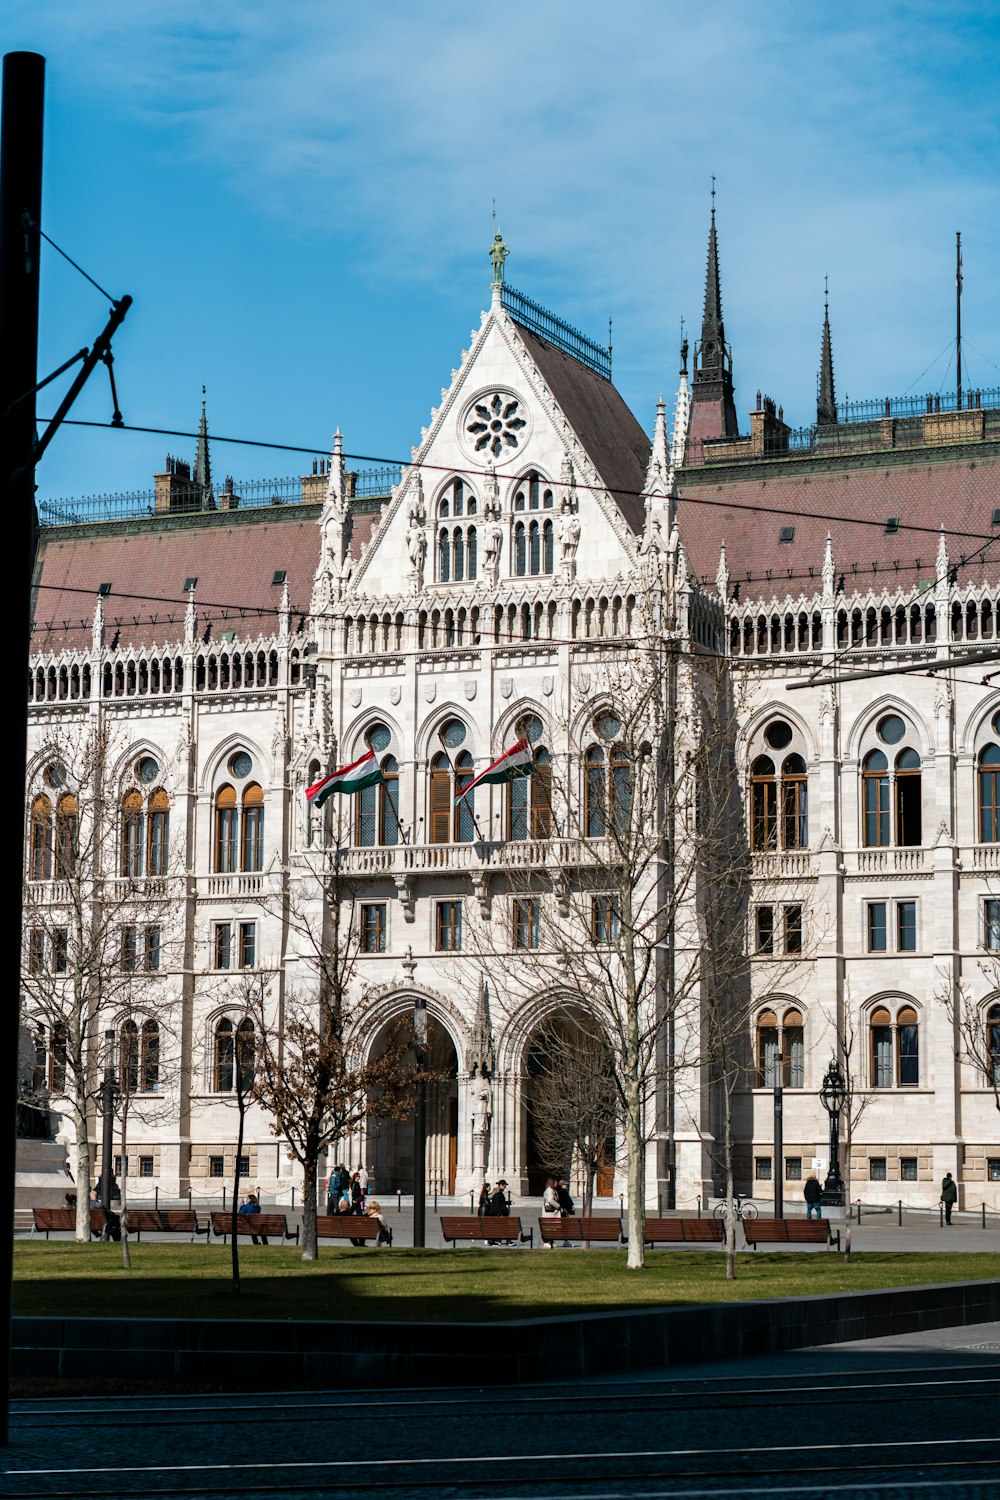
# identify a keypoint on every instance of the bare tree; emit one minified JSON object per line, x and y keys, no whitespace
{"x":95,"y":915}
{"x":976,"y":1025}
{"x":574,"y":1099}
{"x":310,"y":1073}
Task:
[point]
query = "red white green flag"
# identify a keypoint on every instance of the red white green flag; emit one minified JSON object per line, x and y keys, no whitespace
{"x":347,"y":780}
{"x":517,"y":761}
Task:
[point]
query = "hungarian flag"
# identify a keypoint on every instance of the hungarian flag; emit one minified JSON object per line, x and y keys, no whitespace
{"x":517,"y":761}
{"x":346,"y":781}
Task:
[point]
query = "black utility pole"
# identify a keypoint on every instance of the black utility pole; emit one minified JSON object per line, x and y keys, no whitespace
{"x":779,"y":1139}
{"x":958,"y":321}
{"x":20,"y":200}
{"x":108,"y":1133}
{"x":420,"y":1127}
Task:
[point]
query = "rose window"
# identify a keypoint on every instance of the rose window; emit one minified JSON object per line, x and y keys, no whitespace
{"x":494,"y":425}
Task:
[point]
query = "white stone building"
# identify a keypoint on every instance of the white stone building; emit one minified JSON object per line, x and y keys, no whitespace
{"x":237,"y":645}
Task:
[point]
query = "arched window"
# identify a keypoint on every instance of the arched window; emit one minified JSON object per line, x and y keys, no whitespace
{"x":767,"y":1050}
{"x":793,"y":1049}
{"x":132,"y":839}
{"x":894,"y":1048}
{"x":40,"y":848}
{"x":444,"y":555}
{"x":222,"y":1069}
{"x":548,"y":547}
{"x":534,"y":548}
{"x":149,"y":1060}
{"x":881,"y":1049}
{"x":440,"y":800}
{"x":252,"y":831}
{"x":520,"y":550}
{"x":376,"y":815}
{"x":907,"y":1048}
{"x":456,"y":545}
{"x":621,"y":789}
{"x":794,"y":804}
{"x":763,"y":804}
{"x":158,"y":833}
{"x":452,"y":821}
{"x":595,"y":793}
{"x":128,"y":1069}
{"x":246,"y":1055}
{"x":458,"y":554}
{"x":891,"y":796}
{"x":875,"y":792}
{"x":989,"y":795}
{"x":993,"y":1045}
{"x":471,"y":550}
{"x":529,"y":800}
{"x":57,"y":1059}
{"x":226,"y":843}
{"x":67,"y":837}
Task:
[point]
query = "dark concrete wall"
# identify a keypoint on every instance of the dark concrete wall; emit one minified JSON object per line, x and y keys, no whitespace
{"x":401,"y":1354}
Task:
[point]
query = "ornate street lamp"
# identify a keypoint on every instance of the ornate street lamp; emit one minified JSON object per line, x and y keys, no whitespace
{"x":833,"y":1096}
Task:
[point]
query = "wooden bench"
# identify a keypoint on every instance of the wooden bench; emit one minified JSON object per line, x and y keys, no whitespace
{"x":684,"y":1231}
{"x":347,"y":1227}
{"x":264,"y":1226}
{"x":790,"y":1232}
{"x":491,"y":1228}
{"x":164,"y":1221}
{"x":63,"y":1221}
{"x":605,"y":1231}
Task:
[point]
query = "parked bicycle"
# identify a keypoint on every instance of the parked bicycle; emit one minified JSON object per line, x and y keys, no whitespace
{"x":742,"y":1207}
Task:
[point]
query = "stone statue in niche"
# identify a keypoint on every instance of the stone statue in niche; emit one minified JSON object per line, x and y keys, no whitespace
{"x":416,"y":538}
{"x":491,"y":491}
{"x":569,"y":541}
{"x":492,"y":544}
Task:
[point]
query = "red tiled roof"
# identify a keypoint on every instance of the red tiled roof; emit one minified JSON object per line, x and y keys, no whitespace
{"x":747,"y":505}
{"x":233,"y":556}
{"x":615,"y":443}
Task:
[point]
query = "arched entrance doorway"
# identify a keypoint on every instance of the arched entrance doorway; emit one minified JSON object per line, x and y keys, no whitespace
{"x":570,"y":1104}
{"x":390,"y":1142}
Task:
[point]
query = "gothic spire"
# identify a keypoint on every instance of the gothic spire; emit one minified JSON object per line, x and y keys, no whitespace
{"x":202,"y":462}
{"x":712,"y":387}
{"x":826,"y":401}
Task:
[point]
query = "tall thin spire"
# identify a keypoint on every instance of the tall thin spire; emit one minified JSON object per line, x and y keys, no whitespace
{"x":202,"y":462}
{"x":826,"y":400}
{"x":712,"y":385}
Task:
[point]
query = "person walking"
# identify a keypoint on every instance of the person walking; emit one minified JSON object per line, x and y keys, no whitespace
{"x":949,"y":1195}
{"x":813,"y":1194}
{"x":484,"y":1200}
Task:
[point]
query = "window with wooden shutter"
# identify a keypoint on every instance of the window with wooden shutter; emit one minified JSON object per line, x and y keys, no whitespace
{"x":440,"y":801}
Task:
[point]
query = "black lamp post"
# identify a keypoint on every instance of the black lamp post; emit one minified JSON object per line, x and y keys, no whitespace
{"x":420,"y":1123}
{"x":108,"y":1186}
{"x":779,"y":1138}
{"x":833,"y":1095}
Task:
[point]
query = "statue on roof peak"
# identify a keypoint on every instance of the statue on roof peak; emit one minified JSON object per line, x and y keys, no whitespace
{"x":498,"y":254}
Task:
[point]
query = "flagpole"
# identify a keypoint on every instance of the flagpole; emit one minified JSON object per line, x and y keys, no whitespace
{"x":958,"y":321}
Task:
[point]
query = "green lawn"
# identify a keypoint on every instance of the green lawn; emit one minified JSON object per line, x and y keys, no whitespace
{"x":177,"y":1281}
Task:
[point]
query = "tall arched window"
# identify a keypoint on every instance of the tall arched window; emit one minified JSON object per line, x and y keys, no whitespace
{"x":376,"y":814}
{"x":763,"y":804}
{"x":894,"y":1048}
{"x":222,"y":1066}
{"x":226,"y":831}
{"x":993,"y":1044}
{"x":252,"y":830}
{"x":780,"y":1038}
{"x":794,"y":803}
{"x":149,"y":1059}
{"x":989,"y":794}
{"x":520,"y":550}
{"x":456,"y":545}
{"x":40,"y":848}
{"x":891,"y":796}
{"x":128,"y":1070}
{"x":440,"y":800}
{"x":158,"y":833}
{"x":132,"y":839}
{"x":621,"y":789}
{"x":67,"y":837}
{"x":595,"y":793}
{"x":529,"y":800}
{"x":246,"y":1055}
{"x":452,"y":821}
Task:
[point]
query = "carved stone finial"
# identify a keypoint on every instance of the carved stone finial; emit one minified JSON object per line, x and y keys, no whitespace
{"x":942,"y":564}
{"x":284,"y":612}
{"x":722,"y":576}
{"x":828,"y":570}
{"x":97,"y":629}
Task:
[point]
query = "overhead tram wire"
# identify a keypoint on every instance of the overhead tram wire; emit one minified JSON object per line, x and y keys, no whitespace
{"x":476,"y":473}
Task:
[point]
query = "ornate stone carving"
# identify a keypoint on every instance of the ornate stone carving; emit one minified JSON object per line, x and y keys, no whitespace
{"x":569,"y":541}
{"x":407,"y":900}
{"x":395,"y":692}
{"x":469,"y":687}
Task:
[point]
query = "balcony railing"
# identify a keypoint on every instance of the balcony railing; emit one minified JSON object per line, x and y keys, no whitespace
{"x":522,"y":854}
{"x":889,"y":861}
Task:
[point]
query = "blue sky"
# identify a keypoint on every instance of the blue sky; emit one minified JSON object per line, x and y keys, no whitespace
{"x":298,"y":198}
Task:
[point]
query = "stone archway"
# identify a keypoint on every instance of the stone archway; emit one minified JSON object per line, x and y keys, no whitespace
{"x":567,"y":1094}
{"x":390,"y":1142}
